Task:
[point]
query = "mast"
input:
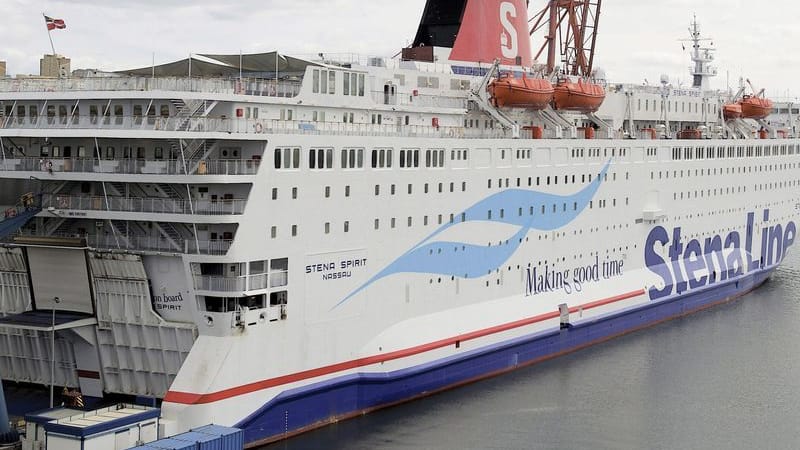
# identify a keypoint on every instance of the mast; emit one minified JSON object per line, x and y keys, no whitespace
{"x":702,"y":57}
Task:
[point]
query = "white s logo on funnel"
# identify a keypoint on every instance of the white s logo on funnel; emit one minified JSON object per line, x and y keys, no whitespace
{"x":508,"y":37}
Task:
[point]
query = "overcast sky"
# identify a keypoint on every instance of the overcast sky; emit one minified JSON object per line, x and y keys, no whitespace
{"x":638,"y":39}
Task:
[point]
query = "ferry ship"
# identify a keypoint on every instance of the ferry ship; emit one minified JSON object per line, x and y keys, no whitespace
{"x":277,"y":243}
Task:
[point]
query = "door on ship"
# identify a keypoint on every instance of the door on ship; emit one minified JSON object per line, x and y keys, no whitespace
{"x":389,"y":94}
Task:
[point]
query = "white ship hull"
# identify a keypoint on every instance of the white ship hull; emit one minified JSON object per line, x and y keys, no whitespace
{"x":275,"y":254}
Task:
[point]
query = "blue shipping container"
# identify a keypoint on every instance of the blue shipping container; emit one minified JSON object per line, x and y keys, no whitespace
{"x":231,"y":438}
{"x":171,"y":444}
{"x":204,"y":441}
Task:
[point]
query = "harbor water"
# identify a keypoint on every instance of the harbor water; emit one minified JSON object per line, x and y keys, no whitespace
{"x":725,"y":378}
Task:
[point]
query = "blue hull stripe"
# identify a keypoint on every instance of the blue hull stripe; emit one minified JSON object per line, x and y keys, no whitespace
{"x":307,"y":407}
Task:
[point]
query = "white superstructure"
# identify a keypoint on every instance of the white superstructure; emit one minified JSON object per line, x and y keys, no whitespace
{"x":240,"y":246}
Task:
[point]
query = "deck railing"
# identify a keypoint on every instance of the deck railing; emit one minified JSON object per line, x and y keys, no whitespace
{"x":130,"y":166}
{"x":230,"y":284}
{"x":237,"y":126}
{"x":243,"y":86}
{"x":143,"y":243}
{"x":143,"y":204}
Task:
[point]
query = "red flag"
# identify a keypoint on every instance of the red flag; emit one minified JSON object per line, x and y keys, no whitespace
{"x":53,"y":24}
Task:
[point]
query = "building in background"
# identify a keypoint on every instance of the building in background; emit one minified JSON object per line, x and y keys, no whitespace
{"x":54,"y":66}
{"x":2,"y":68}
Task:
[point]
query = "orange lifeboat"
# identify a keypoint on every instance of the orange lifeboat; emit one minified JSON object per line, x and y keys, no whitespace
{"x":755,"y":107}
{"x":582,"y":96}
{"x":531,"y":93}
{"x":732,"y":111}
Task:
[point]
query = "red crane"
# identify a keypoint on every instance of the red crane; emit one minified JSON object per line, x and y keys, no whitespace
{"x":571,"y":35}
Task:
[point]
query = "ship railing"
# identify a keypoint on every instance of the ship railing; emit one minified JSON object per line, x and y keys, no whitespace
{"x":257,"y":282}
{"x":230,"y":284}
{"x":220,"y":284}
{"x":130,"y":166}
{"x":268,"y":126}
{"x":379,"y":61}
{"x":242,"y":86}
{"x":141,"y":243}
{"x":143,"y":204}
{"x":275,"y":126}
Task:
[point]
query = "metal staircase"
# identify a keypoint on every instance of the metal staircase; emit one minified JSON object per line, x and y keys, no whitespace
{"x":58,"y":226}
{"x":194,"y":151}
{"x":168,"y":191}
{"x":65,"y":187}
{"x":186,"y":110}
{"x":171,"y":233}
{"x":117,"y":187}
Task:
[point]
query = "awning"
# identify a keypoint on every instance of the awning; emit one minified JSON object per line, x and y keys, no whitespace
{"x":203,"y":65}
{"x":42,"y":320}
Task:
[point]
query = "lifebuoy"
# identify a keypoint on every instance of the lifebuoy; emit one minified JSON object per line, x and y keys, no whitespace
{"x":259,"y":128}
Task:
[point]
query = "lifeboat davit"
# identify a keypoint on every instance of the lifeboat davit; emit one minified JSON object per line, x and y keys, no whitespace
{"x":582,"y":96}
{"x":690,"y":133}
{"x":732,"y":111}
{"x":530,"y":93}
{"x":755,"y":107}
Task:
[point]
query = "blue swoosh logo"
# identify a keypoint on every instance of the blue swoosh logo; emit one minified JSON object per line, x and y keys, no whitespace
{"x":474,"y":261}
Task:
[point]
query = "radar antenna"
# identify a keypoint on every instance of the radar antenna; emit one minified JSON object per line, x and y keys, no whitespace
{"x":571,"y":35}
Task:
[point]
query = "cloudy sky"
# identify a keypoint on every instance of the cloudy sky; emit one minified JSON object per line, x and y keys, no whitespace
{"x":638,"y":39}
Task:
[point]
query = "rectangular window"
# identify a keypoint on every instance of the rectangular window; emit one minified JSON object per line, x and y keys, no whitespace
{"x":331,"y":82}
{"x":346,"y":84}
{"x":118,"y":112}
{"x":315,"y":81}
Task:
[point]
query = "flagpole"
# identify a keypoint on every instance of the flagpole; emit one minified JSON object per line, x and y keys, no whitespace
{"x":49,"y":36}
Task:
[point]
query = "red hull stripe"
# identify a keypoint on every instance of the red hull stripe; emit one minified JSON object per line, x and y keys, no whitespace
{"x":193,"y":399}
